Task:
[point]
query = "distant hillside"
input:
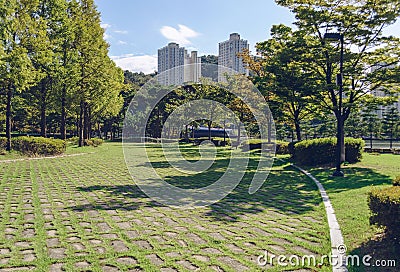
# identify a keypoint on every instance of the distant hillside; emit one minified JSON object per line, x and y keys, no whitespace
{"x":209,"y":70}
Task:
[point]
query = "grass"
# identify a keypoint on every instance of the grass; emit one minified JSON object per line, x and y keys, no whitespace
{"x":86,"y":213}
{"x":349,"y":199}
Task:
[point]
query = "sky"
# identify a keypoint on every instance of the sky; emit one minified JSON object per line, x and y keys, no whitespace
{"x":136,"y":29}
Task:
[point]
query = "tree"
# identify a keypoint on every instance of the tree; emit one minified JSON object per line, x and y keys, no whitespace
{"x":390,"y":122}
{"x":98,"y":76}
{"x":17,"y":73}
{"x":369,"y":57}
{"x":291,"y":84}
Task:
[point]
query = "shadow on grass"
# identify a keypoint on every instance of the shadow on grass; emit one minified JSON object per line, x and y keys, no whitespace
{"x":385,"y":252}
{"x":285,"y":191}
{"x":355,"y":178}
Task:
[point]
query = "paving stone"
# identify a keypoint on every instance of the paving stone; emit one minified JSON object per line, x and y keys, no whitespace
{"x":28,"y":233}
{"x":211,"y":250}
{"x":173,"y":254}
{"x":82,"y":264}
{"x":4,"y":260}
{"x":109,"y":236}
{"x":127,"y":260}
{"x":234,"y":248}
{"x":132,"y":233}
{"x":52,"y":242}
{"x":202,"y":258}
{"x":22,"y":244}
{"x":215,"y":268}
{"x":143,"y":244}
{"x":4,"y":251}
{"x":217,"y":236}
{"x":167,"y":269}
{"x":95,"y":241}
{"x":195,"y":238}
{"x":29,"y":257}
{"x":57,"y":253}
{"x":109,"y":268}
{"x":119,"y":246}
{"x":21,"y":268}
{"x":234,"y":264}
{"x":154,"y":259}
{"x":277,"y":249}
{"x":182,"y":243}
{"x":171,"y":234}
{"x":124,"y":225}
{"x":186,"y":264}
{"x":281,"y":231}
{"x":100,"y":250}
{"x":104,"y":227}
{"x":78,"y":246}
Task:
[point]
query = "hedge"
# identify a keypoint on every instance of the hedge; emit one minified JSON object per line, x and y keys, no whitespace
{"x":94,"y":142}
{"x":3,"y":143}
{"x":36,"y":146}
{"x":323,"y":151}
{"x":385,"y":208}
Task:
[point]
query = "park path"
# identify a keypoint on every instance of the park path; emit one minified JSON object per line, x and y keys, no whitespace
{"x":84,"y":213}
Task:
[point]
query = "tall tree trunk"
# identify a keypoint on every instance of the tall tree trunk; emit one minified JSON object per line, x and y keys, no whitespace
{"x":80,"y":125}
{"x":209,"y":129}
{"x":43,"y":121}
{"x":63,"y":114}
{"x":298,"y":130}
{"x":8,"y":118}
{"x":85,"y":122}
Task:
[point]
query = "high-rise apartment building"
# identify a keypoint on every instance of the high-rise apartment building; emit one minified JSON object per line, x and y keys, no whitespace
{"x":228,"y":56}
{"x":192,"y":70}
{"x":171,"y":59}
{"x":171,"y":69}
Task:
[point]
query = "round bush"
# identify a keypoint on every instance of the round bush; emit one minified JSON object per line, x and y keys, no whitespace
{"x":323,"y":151}
{"x":37,"y":146}
{"x":385,"y":208}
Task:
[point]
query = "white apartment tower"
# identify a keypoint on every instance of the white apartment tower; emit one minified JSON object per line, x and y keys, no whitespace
{"x":228,"y":57}
{"x":171,"y":59}
{"x":192,"y":70}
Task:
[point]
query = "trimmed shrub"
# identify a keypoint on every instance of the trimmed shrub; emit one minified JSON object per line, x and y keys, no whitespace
{"x":37,"y":146}
{"x":396,"y":181}
{"x":3,"y":145}
{"x":385,"y":208}
{"x":73,"y":140}
{"x":323,"y":150}
{"x":282,"y":148}
{"x":354,"y":148}
{"x":95,"y":142}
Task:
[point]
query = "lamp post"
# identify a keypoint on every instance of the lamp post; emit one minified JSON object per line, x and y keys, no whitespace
{"x":339,"y":81}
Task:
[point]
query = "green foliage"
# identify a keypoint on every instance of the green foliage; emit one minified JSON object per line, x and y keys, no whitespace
{"x":396,"y":181}
{"x":322,"y":151}
{"x":385,"y":208}
{"x":37,"y":146}
{"x":3,"y":144}
{"x":282,"y":148}
{"x":95,"y":142}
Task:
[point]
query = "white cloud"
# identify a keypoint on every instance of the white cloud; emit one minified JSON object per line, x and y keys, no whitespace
{"x":122,"y":42}
{"x":105,"y":26}
{"x":181,"y":35}
{"x":146,"y":63}
{"x":121,"y":31}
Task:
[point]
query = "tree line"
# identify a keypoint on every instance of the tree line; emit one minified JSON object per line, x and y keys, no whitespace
{"x":55,"y":72}
{"x":298,"y":69}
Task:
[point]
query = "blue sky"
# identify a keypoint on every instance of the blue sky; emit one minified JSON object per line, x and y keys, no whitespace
{"x":135,"y":29}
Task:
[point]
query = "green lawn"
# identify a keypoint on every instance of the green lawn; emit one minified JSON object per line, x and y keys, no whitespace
{"x":349,"y":199}
{"x":84,"y":213}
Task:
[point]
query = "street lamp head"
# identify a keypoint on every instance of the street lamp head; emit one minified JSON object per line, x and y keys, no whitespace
{"x":333,"y":36}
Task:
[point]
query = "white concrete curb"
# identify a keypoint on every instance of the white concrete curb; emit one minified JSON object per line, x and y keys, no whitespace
{"x":337,"y":243}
